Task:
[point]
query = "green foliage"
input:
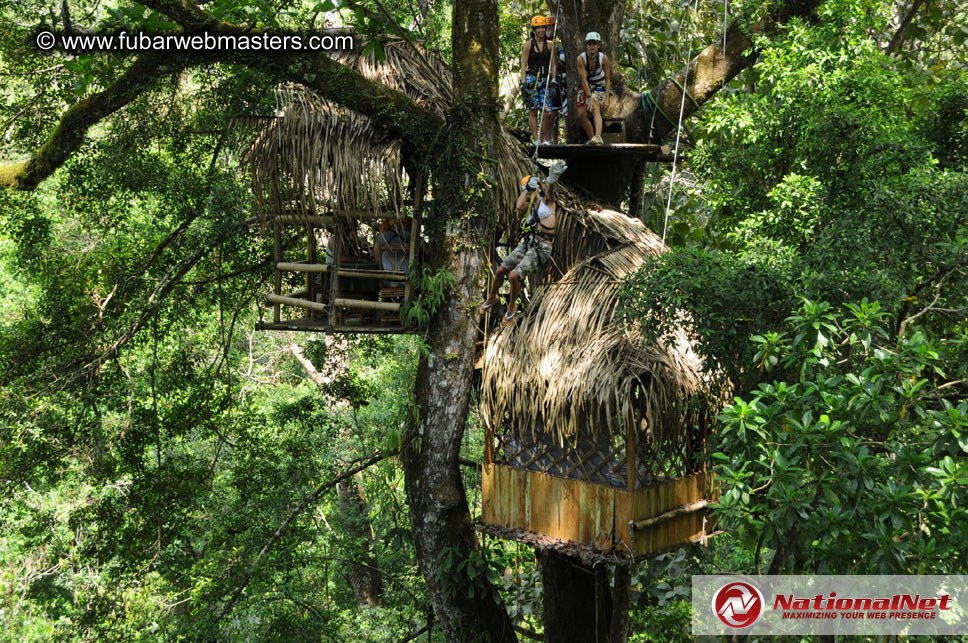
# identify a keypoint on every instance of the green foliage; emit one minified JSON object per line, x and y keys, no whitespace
{"x":723,"y":297}
{"x":858,"y":462}
{"x":431,"y":289}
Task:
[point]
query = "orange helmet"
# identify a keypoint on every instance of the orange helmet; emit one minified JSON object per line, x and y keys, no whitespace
{"x":549,"y":21}
{"x":539,"y":21}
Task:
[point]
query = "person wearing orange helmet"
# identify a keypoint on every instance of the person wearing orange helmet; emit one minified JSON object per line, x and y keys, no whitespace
{"x":537,"y":200}
{"x":557,"y":88}
{"x":537,"y":66}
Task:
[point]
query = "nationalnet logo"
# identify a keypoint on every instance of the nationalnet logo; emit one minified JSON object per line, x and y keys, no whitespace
{"x":775,"y":605}
{"x":738,"y":604}
{"x":897,"y":606}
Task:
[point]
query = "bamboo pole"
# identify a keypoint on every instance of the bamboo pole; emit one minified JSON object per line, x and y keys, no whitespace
{"x":303,"y":220}
{"x":331,"y":217}
{"x":292,"y":301}
{"x":367,"y":305}
{"x":662,"y":518}
{"x":310,"y":258}
{"x":343,"y":272}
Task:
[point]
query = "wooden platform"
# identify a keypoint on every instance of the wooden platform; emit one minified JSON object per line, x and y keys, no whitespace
{"x":604,"y":171}
{"x":607,"y":519}
{"x":641,"y":151}
{"x":309,"y":325}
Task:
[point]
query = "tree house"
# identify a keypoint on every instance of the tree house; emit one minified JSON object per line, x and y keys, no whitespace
{"x":595,"y":441}
{"x":344,"y":214}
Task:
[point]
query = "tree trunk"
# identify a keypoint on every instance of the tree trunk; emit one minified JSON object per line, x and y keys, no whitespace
{"x":463,"y":215}
{"x":363,"y":576}
{"x":577,"y":601}
{"x":621,"y":588}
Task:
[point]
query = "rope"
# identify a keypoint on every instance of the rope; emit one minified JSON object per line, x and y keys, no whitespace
{"x":684,"y":90}
{"x":653,"y":107}
{"x":675,"y":157}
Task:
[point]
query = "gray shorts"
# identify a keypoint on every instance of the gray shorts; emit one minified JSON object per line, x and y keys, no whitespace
{"x":527,"y":258}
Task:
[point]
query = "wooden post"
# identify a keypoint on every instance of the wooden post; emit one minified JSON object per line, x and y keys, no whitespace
{"x":488,"y":443}
{"x":277,"y":257}
{"x":334,"y":276}
{"x":630,"y":455}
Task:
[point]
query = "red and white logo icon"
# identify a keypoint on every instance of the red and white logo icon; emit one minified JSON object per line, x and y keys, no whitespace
{"x":738,"y":604}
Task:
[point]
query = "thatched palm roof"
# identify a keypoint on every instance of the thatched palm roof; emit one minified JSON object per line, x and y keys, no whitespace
{"x":569,"y":368}
{"x":319,"y":157}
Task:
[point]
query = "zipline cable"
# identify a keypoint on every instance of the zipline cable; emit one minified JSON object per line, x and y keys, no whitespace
{"x":675,"y":156}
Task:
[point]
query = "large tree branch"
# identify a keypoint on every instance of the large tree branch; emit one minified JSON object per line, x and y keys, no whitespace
{"x":187,"y":14}
{"x":389,"y":109}
{"x":74,"y":123}
{"x":704,"y":75}
{"x":894,"y":47}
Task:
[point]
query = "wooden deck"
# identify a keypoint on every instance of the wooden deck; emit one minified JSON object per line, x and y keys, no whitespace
{"x":642,"y":151}
{"x":309,"y":325}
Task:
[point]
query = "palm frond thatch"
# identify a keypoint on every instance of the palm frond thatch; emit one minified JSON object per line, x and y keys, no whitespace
{"x":319,"y":158}
{"x":570,"y":369}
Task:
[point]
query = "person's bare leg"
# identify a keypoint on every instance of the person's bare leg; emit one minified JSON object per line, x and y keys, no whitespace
{"x":597,"y":114}
{"x":495,"y":286}
{"x":585,"y":123}
{"x":515,"y":293}
{"x":547,"y":123}
{"x":533,"y":122}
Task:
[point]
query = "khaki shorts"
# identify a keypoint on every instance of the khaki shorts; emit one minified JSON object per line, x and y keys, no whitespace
{"x":527,"y":258}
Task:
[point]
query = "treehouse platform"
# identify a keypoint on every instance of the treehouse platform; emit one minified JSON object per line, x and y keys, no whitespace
{"x":595,"y":440}
{"x":578,"y":151}
{"x":345,"y":283}
{"x":604,"y":171}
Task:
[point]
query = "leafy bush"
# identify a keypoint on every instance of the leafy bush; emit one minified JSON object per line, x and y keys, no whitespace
{"x":858,"y":462}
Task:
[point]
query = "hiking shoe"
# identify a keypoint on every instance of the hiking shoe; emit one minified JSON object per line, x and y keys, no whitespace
{"x":596,"y":140}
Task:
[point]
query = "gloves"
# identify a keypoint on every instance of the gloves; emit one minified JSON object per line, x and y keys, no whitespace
{"x":533,"y":184}
{"x":525,"y":93}
{"x":556,"y":170}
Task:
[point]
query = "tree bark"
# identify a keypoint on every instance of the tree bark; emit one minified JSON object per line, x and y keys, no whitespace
{"x":464,"y":215}
{"x":621,"y":587}
{"x":577,"y":601}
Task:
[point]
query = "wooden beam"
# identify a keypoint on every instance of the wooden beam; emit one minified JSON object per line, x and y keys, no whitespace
{"x":277,"y":257}
{"x":343,"y":272}
{"x":292,"y":301}
{"x":367,"y":305}
{"x":684,"y":510}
